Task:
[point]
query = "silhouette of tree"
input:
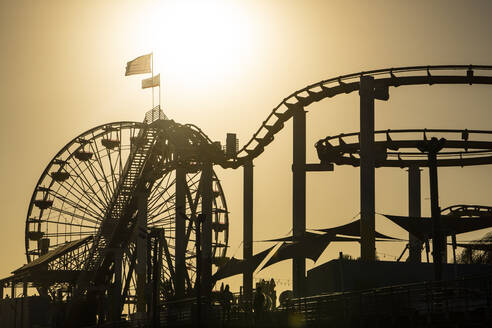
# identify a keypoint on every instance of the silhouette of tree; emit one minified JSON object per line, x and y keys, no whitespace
{"x":479,"y":252}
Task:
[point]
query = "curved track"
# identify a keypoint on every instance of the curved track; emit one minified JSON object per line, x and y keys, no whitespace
{"x":384,"y":78}
{"x":399,"y":148}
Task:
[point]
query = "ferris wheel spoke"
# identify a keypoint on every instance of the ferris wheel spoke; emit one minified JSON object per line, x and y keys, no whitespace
{"x":72,"y":187}
{"x":68,"y":234}
{"x":120,"y":159}
{"x":97,"y":177}
{"x":107,"y":192}
{"x":85,"y":181}
{"x":68,"y":223}
{"x":80,"y":198}
{"x":165,"y":206}
{"x":165,"y":178}
{"x":110,"y":159}
{"x":85,"y":208}
{"x":161,"y":220}
{"x":157,"y":192}
{"x":94,"y":220}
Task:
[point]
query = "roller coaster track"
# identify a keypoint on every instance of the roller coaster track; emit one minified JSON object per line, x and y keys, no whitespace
{"x":345,"y":84}
{"x":461,"y":148}
{"x":467,"y":211}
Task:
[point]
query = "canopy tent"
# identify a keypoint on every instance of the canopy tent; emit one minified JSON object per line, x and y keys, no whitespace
{"x":351,"y":229}
{"x":235,"y":266}
{"x":310,"y":247}
{"x":308,"y":235}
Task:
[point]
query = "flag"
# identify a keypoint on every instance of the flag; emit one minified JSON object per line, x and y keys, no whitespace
{"x":139,"y":65}
{"x":151,"y":82}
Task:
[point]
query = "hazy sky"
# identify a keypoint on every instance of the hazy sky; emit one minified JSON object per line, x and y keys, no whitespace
{"x":224,"y":66}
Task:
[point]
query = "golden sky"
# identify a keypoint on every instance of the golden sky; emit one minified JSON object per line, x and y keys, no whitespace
{"x":224,"y":65}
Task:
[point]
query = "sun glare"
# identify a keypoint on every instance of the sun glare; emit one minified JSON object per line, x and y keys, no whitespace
{"x":208,"y":41}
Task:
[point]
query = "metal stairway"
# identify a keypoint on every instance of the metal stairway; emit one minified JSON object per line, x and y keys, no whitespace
{"x":119,"y":212}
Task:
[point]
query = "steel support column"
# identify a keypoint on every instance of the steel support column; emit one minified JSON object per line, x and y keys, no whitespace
{"x":367,"y":169}
{"x":180,"y":234}
{"x":248,"y":227}
{"x":115,"y":295}
{"x":299,"y":197}
{"x":414,"y":210}
{"x":439,"y":247}
{"x":207,"y":194}
{"x":141,"y":265}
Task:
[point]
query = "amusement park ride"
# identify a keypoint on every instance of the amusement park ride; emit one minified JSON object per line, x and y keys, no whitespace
{"x":131,"y":215}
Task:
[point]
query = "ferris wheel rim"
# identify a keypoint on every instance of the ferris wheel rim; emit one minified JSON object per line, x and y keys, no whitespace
{"x":51,"y":163}
{"x":61,"y":195}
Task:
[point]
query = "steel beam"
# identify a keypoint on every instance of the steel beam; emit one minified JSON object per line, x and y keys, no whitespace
{"x":367,"y":169}
{"x":207,"y":197}
{"x":180,"y":234}
{"x":141,"y":265}
{"x":439,"y":244}
{"x":414,"y":210}
{"x":248,"y":228}
{"x":299,"y":197}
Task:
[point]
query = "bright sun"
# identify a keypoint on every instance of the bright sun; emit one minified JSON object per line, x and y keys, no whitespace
{"x":200,"y":40}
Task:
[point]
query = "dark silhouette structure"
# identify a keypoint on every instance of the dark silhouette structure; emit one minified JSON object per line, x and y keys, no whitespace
{"x":128,"y":219}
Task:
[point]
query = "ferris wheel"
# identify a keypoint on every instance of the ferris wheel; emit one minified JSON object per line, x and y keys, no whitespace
{"x":84,"y":185}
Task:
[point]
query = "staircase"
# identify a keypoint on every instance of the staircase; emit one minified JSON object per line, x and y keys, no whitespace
{"x":118,"y":215}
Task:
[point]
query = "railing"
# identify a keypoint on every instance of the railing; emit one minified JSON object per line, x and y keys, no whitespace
{"x":448,"y":303}
{"x":434,"y":301}
{"x":154,"y":114}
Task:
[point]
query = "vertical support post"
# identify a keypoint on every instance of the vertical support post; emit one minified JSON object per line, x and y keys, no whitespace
{"x":116,"y":305}
{"x":180,"y":251}
{"x":299,"y":197}
{"x":24,"y":289}
{"x":207,"y":194}
{"x":367,"y":169}
{"x":158,"y":235}
{"x":248,"y":228}
{"x":414,"y":210}
{"x":199,"y":265}
{"x":1,"y":291}
{"x":141,"y":265}
{"x":437,"y":247}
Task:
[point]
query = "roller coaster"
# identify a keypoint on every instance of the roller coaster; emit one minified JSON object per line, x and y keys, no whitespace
{"x":128,"y":216}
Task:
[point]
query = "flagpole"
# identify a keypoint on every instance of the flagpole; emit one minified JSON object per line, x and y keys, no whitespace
{"x":152,"y":72}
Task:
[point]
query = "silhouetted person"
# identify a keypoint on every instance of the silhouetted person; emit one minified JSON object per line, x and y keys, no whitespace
{"x":227,"y":302}
{"x":259,"y":305}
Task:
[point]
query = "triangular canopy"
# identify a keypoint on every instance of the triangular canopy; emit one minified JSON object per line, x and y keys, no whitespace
{"x":309,"y":235}
{"x":421,"y":227}
{"x":351,"y":229}
{"x":311,"y":248}
{"x":235,"y":266}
